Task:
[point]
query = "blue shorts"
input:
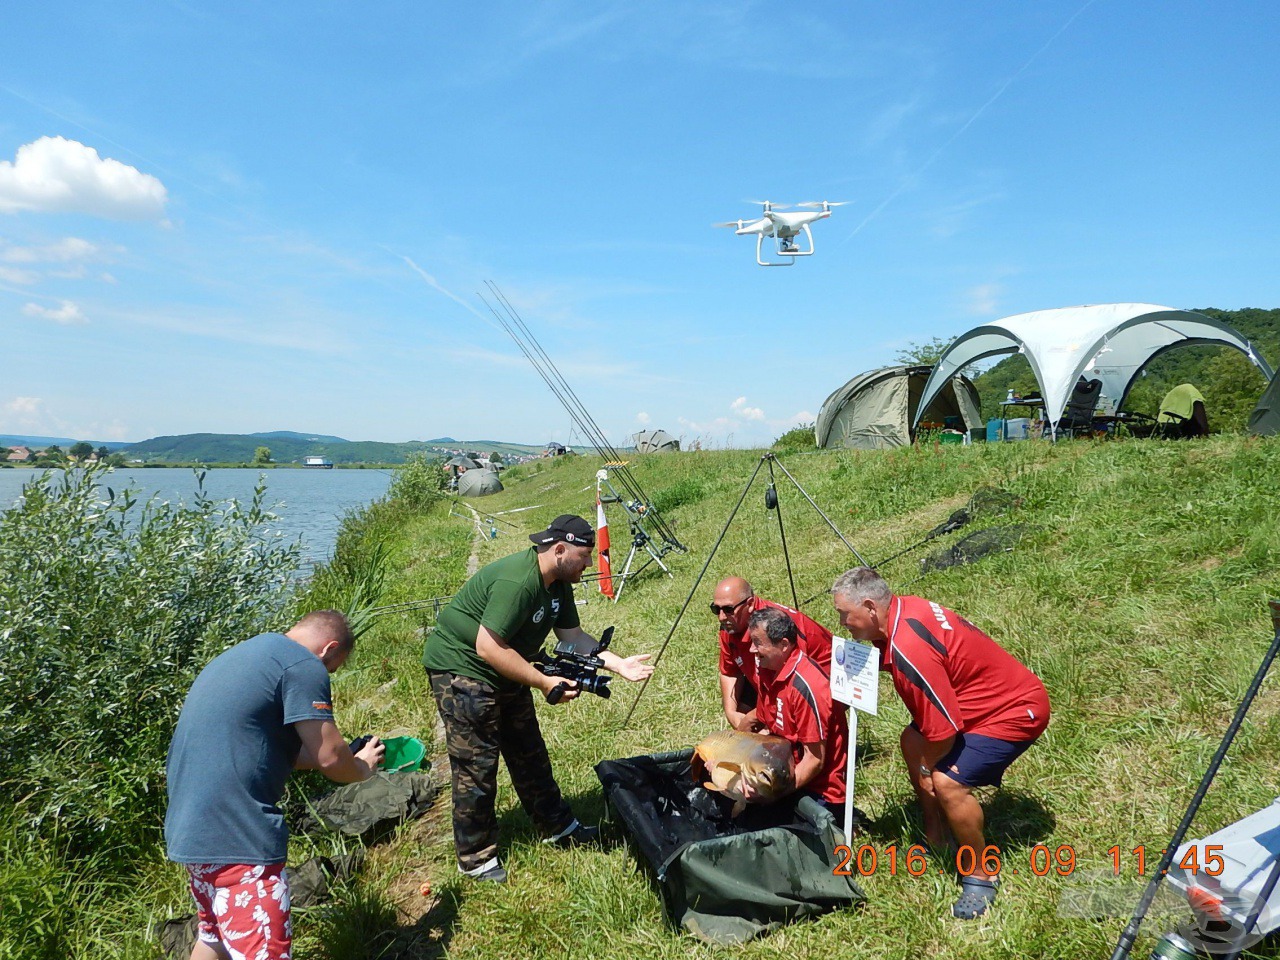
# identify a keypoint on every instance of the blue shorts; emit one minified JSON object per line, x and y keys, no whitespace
{"x":980,"y":761}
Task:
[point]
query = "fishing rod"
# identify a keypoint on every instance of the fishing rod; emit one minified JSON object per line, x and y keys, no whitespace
{"x":1130,"y":933}
{"x":515,"y":327}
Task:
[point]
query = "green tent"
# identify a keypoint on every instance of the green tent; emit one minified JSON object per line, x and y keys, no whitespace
{"x":479,"y":483}
{"x":875,"y":410}
{"x":1265,"y":419}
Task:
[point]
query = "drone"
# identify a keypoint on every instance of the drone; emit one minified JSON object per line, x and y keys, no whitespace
{"x":784,"y":228}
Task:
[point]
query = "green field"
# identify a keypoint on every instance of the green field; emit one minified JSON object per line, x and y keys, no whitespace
{"x":1138,"y":595}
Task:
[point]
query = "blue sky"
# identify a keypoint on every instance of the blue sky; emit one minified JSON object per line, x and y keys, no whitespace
{"x":243,"y":217}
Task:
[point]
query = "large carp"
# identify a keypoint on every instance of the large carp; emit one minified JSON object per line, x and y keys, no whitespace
{"x":730,"y":757}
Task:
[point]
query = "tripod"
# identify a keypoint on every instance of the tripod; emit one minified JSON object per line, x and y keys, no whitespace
{"x":772,"y":504}
{"x":637,"y":512}
{"x":640,"y":539}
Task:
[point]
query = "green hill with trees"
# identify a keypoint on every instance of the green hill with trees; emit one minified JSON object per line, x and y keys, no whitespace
{"x":289,"y":447}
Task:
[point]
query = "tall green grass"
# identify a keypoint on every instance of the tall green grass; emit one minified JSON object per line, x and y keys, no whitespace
{"x":1139,"y":596}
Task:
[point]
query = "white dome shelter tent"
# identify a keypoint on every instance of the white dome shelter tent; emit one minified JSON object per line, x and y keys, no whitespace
{"x":1111,"y":342}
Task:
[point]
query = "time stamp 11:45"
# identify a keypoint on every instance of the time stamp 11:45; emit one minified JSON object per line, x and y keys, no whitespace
{"x":1039,"y":861}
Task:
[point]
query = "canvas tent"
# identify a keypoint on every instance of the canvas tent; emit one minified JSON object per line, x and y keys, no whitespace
{"x":479,"y":483}
{"x":1109,"y":341}
{"x":655,"y":441}
{"x":877,"y":409}
{"x":1265,"y":419}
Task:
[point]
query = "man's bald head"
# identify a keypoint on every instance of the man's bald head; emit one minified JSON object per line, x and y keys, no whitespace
{"x":730,"y":605}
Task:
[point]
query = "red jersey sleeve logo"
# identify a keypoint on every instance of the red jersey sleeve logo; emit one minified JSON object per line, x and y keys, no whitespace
{"x":321,"y":705}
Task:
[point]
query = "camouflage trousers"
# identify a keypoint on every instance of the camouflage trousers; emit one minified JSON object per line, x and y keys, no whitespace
{"x":480,"y":724}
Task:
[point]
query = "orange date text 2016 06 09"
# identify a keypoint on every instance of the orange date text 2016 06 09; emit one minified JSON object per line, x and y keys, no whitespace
{"x":1041,"y":861}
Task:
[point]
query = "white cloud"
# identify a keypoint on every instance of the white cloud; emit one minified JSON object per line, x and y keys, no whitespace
{"x":66,"y":313}
{"x":642,"y":417}
{"x":14,"y":275}
{"x":984,"y":299}
{"x":740,"y":407}
{"x":66,"y":250}
{"x":53,"y":174}
{"x":25,"y":415}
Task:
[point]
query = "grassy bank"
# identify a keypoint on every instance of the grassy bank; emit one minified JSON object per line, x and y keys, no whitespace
{"x":1138,"y":595}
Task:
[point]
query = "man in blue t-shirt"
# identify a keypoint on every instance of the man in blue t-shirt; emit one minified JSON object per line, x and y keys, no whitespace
{"x":256,"y":713}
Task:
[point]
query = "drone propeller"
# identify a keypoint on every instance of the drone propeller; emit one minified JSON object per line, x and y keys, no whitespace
{"x":731,"y":223}
{"x":823,"y":203}
{"x":769,"y":204}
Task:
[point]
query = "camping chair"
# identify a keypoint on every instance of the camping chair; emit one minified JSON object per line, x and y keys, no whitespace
{"x":1182,"y":414}
{"x":1077,"y":416}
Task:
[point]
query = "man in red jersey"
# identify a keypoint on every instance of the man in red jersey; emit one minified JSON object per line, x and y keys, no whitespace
{"x":795,"y":703}
{"x":974,"y":710}
{"x":733,"y":603}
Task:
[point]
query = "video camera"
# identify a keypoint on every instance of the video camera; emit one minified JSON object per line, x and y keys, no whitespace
{"x":582,"y":668}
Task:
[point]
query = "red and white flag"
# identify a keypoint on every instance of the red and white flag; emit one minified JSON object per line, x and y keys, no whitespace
{"x":602,"y":545}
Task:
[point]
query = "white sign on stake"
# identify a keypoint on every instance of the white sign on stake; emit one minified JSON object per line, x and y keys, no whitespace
{"x":855,"y":680}
{"x":855,"y":674}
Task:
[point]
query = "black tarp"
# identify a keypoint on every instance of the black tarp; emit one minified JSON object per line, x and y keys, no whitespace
{"x":723,"y":879}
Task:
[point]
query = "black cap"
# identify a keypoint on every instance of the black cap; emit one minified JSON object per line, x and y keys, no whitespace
{"x":566,"y":528}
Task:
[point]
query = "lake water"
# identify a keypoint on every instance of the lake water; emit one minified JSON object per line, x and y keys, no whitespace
{"x":310,"y":504}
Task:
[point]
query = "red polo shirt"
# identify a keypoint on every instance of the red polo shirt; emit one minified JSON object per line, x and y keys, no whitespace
{"x":737,"y":660}
{"x":956,"y":679}
{"x":795,"y":703}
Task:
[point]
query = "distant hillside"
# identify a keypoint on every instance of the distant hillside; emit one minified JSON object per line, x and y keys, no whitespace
{"x":289,"y":447}
{"x":294,"y":435}
{"x":15,"y":440}
{"x":1230,"y":383}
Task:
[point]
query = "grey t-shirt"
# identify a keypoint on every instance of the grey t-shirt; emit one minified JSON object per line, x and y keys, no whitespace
{"x":234,"y":748}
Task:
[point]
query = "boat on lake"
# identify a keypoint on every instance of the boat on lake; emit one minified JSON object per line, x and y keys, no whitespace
{"x":318,"y":463}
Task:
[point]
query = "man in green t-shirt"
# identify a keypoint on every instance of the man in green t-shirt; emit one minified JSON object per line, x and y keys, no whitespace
{"x":478,"y":661}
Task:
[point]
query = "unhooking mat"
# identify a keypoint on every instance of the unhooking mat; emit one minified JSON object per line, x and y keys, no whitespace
{"x":726,"y":880}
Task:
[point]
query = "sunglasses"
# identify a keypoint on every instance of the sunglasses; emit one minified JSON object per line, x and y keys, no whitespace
{"x":717,"y":609}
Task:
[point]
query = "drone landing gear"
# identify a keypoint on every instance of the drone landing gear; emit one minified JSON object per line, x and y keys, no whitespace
{"x":786,"y":247}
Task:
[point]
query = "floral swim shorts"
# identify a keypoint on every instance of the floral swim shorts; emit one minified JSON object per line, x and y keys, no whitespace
{"x":243,"y":907}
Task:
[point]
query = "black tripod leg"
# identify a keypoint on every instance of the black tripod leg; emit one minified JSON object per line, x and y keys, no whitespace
{"x":786,"y":555}
{"x":834,"y":528}
{"x":696,"y":583}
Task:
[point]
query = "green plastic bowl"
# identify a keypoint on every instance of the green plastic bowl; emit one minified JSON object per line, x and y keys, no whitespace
{"x":403,"y":753}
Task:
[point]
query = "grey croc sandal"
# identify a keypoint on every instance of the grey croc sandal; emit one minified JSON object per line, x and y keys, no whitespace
{"x":976,"y":895}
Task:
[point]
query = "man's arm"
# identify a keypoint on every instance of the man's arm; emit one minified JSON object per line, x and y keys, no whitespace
{"x":629,"y":668}
{"x":810,"y":763}
{"x":498,"y":654}
{"x":324,"y":749}
{"x":738,"y":719}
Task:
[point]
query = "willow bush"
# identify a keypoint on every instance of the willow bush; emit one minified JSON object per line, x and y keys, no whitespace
{"x":109,"y":606}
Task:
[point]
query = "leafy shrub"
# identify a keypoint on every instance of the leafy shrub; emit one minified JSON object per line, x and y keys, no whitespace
{"x":796,"y":439}
{"x":419,"y":484}
{"x":108,"y":608}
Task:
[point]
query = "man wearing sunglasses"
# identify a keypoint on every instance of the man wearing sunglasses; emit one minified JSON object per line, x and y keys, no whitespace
{"x":732,"y":605}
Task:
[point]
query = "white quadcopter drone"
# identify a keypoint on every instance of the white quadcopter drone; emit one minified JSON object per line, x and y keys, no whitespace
{"x":784,"y":228}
